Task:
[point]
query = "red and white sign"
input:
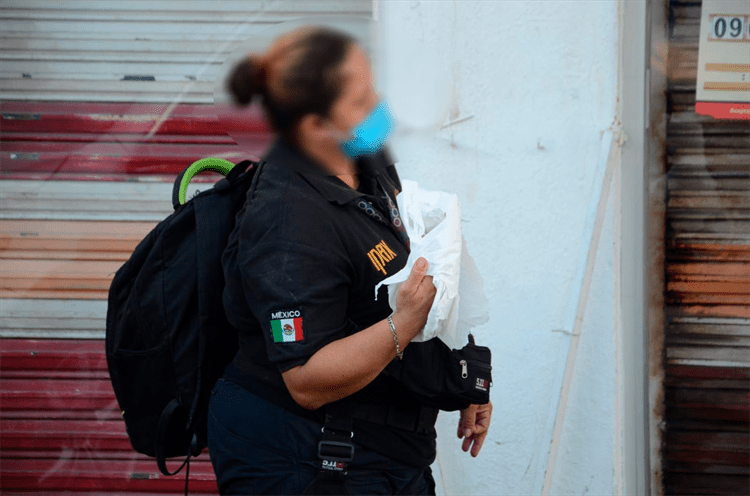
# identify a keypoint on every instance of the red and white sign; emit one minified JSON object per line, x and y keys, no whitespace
{"x":723,"y":84}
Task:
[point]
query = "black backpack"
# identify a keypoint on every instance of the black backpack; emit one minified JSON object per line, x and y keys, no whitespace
{"x":167,"y":336}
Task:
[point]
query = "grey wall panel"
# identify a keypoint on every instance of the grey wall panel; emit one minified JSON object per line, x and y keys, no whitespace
{"x":135,"y":51}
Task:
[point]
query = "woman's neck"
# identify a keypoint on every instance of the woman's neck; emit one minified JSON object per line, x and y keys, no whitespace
{"x":350,"y":180}
{"x":334,"y":161}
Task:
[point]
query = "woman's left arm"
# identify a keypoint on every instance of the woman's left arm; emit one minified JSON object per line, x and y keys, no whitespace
{"x":347,"y":365}
{"x":473,"y":427}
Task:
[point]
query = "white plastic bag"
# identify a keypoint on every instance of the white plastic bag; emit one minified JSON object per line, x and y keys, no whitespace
{"x":433,"y":222}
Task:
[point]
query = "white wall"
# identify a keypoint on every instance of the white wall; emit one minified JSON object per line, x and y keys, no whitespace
{"x":540,"y":79}
{"x":586,"y":460}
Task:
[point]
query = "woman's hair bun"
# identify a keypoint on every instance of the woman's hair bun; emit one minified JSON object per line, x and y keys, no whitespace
{"x":298,"y":74}
{"x":247,"y":79}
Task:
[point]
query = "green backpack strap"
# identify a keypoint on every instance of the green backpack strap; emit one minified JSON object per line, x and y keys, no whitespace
{"x":179,"y":192}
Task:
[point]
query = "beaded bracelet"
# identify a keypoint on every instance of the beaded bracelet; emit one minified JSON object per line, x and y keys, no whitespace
{"x":399,"y":353}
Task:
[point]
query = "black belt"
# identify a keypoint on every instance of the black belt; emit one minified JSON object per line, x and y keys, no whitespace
{"x":419,"y":419}
{"x":336,"y":448}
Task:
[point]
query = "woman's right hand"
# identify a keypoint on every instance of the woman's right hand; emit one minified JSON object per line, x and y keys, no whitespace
{"x":330,"y":374}
{"x":413,"y":301}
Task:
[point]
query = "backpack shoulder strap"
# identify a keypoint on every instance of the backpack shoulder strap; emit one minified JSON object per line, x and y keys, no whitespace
{"x":161,"y":438}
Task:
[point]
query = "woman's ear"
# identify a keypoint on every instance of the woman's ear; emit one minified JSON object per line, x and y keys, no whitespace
{"x":309,"y":127}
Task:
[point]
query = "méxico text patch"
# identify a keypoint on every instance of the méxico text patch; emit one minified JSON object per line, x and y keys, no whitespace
{"x":286,"y":326}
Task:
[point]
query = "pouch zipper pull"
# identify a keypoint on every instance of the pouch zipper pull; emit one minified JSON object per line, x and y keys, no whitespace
{"x":464,"y":369}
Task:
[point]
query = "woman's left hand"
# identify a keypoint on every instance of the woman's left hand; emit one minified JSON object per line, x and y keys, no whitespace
{"x":473,"y":427}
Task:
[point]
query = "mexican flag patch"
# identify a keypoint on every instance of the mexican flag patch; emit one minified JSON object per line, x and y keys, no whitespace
{"x":287,"y":326}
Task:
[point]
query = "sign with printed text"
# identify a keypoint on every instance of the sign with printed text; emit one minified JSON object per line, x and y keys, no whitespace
{"x":723,"y":85}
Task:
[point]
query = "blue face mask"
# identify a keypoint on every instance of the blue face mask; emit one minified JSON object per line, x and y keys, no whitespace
{"x":369,"y":135}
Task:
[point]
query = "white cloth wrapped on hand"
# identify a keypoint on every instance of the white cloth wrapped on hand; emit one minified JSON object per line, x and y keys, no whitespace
{"x":433,"y":222}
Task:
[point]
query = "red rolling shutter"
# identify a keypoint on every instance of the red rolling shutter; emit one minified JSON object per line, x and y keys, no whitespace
{"x":707,"y":443}
{"x":102,"y":103}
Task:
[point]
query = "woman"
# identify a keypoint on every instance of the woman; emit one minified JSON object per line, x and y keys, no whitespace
{"x":319,"y":230}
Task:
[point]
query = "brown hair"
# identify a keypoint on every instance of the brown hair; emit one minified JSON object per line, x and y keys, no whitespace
{"x":296,"y":76}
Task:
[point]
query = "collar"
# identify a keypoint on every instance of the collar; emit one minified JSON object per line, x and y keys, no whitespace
{"x":329,"y":186}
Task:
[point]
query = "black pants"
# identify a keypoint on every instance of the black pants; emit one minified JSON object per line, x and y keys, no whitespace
{"x":257,"y":447}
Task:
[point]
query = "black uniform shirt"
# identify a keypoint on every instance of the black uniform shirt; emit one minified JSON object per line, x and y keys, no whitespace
{"x":301,"y":269}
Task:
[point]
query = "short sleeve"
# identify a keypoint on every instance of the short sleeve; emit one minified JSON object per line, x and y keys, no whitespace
{"x":296,"y":279}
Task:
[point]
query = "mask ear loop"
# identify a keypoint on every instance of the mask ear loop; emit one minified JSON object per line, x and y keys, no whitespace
{"x":339,"y":135}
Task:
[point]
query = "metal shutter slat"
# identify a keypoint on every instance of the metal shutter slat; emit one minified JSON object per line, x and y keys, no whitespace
{"x":707,"y":293}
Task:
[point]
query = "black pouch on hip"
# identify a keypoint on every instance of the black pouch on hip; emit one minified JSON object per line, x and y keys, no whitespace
{"x":444,"y":378}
